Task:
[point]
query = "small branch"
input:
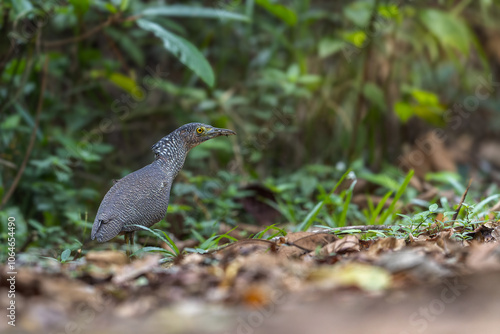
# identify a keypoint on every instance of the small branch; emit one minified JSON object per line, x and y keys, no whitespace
{"x":461,"y":201}
{"x":7,"y":163}
{"x":132,"y":18}
{"x":111,"y":20}
{"x":32,"y":138}
{"x":78,"y":38}
{"x":292,"y":244}
{"x":240,"y":242}
{"x":363,"y":228}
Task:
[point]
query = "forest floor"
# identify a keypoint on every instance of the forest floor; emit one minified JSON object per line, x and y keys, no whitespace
{"x":304,"y":282}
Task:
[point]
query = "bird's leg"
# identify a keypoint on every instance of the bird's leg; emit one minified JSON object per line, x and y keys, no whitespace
{"x":132,"y":239}
{"x":129,"y":241}
{"x":127,"y":237}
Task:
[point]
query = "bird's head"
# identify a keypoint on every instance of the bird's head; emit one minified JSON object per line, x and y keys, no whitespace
{"x":194,"y":134}
{"x":186,"y":137}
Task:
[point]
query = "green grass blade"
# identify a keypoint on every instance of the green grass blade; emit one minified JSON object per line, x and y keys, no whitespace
{"x":479,"y":206}
{"x":308,"y":221}
{"x":166,"y":239}
{"x":154,"y":249}
{"x":170,"y":242}
{"x":268,"y":228}
{"x":342,"y":220}
{"x":198,"y":236}
{"x":151,"y":231}
{"x":282,"y":208}
{"x":339,"y":182}
{"x":390,"y":210}
{"x":214,"y":239}
{"x":379,"y":207}
{"x":208,"y":242}
{"x":226,"y":235}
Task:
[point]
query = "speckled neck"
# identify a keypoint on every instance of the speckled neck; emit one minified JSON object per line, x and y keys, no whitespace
{"x":171,"y":152}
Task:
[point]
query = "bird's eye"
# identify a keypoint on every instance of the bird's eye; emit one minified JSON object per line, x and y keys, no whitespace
{"x":199,"y":130}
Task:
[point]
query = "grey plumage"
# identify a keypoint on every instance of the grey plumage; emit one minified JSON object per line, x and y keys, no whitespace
{"x":141,"y":198}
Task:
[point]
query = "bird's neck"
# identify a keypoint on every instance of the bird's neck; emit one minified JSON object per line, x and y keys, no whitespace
{"x":170,"y":153}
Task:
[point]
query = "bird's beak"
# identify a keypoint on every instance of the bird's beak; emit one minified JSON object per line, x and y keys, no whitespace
{"x":216,"y":132}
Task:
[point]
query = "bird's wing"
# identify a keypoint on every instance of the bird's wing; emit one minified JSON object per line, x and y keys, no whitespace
{"x":139,"y":198}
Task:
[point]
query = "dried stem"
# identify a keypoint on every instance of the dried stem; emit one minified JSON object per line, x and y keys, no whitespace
{"x":461,"y":201}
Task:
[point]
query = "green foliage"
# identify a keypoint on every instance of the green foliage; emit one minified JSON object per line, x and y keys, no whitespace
{"x":279,"y":232}
{"x":312,"y":88}
{"x":68,"y":151}
{"x":282,"y":12}
{"x":345,"y":197}
{"x":190,"y":11}
{"x":450,"y":30}
{"x":390,"y":212}
{"x":163,"y":236}
{"x":182,"y":49}
{"x":335,"y":208}
{"x":65,"y":255}
{"x":447,"y":179}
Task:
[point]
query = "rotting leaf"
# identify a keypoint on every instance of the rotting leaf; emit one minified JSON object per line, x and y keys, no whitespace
{"x":483,"y":256}
{"x":415,"y":263}
{"x":136,"y":268}
{"x":300,"y":243}
{"x":245,"y":247}
{"x":349,"y":243}
{"x":104,"y":258}
{"x":363,"y":276}
{"x":496,"y":233}
{"x":385,"y":244}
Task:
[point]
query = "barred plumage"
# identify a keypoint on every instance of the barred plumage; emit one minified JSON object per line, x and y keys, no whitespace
{"x":141,"y":198}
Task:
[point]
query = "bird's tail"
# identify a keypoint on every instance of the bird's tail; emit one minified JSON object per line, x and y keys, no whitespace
{"x":95,"y":228}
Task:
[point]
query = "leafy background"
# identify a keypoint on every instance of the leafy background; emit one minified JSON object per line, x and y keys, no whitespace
{"x":316,"y":90}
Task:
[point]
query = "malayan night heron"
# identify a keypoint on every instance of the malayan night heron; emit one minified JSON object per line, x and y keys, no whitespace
{"x":141,"y":198}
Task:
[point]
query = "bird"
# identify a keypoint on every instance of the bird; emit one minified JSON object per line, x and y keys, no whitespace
{"x":141,"y":197}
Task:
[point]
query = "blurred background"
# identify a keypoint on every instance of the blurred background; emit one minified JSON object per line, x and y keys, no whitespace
{"x":313,"y":89}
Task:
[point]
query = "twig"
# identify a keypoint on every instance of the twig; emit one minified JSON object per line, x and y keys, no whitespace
{"x":112,"y":19}
{"x":363,"y":228}
{"x":132,"y":18}
{"x":461,"y":201}
{"x":293,"y":244}
{"x":7,"y":163}
{"x":32,"y":138}
{"x":78,"y":38}
{"x":239,"y":243}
